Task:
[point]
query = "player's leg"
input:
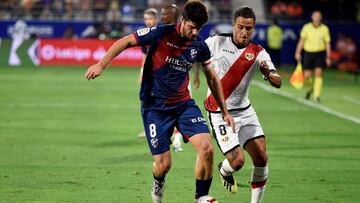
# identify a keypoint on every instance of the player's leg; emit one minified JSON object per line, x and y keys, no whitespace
{"x":162,"y":165}
{"x":158,"y":127}
{"x":192,"y":125}
{"x":204,"y":163}
{"x":308,"y":68}
{"x":318,"y":81}
{"x":228,"y":142}
{"x":257,"y":151}
{"x":177,"y":141}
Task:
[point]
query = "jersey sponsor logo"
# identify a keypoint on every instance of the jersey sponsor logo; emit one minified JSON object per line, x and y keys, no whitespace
{"x":178,"y":62}
{"x":228,"y":51}
{"x":143,"y":31}
{"x":193,"y":53}
{"x":249,"y":56}
{"x":172,"y":45}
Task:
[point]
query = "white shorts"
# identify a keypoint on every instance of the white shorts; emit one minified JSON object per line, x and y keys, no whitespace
{"x":247,"y":128}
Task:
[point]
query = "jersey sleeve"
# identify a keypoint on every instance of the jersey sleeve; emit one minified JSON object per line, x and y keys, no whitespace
{"x":210,"y":42}
{"x":264,"y":56}
{"x":303,"y":32}
{"x":327,"y":34}
{"x":145,"y":36}
{"x":205,"y":55}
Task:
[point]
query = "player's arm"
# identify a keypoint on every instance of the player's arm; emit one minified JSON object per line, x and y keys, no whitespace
{"x":328,"y":54}
{"x":270,"y":74}
{"x":299,"y":48}
{"x":196,"y":81}
{"x":119,"y":46}
{"x":215,"y":86}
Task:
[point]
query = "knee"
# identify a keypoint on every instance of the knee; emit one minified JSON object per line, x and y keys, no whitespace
{"x":261,"y":159}
{"x":237,"y":163}
{"x":207,"y":151}
{"x":163,"y":165}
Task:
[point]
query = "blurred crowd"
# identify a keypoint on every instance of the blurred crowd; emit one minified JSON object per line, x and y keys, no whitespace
{"x":333,"y":10}
{"x":99,"y":10}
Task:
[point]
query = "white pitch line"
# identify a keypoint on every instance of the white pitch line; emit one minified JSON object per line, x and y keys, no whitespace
{"x":267,"y":88}
{"x":64,"y":105}
{"x":351,"y":99}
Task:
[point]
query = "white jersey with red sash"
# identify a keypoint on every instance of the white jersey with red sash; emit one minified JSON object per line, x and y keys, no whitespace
{"x":235,"y":66}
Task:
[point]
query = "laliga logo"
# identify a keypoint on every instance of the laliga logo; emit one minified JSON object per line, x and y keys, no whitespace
{"x":249,"y":56}
{"x":193,"y":53}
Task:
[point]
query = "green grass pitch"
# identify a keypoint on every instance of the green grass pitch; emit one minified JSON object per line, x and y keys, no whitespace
{"x":65,"y":139}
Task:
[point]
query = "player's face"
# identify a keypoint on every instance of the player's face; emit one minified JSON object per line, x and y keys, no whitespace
{"x":189,"y":30}
{"x":166,"y":16}
{"x":243,"y":30}
{"x":150,"y":20}
{"x":316,"y":18}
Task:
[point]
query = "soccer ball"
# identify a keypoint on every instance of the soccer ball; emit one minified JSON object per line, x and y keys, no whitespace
{"x":206,"y":199}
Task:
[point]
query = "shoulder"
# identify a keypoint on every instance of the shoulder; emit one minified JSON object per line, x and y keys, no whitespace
{"x":307,"y":26}
{"x":218,"y":38}
{"x":256,"y":47}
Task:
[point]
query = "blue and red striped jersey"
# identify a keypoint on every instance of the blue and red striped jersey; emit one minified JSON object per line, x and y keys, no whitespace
{"x":169,"y":60}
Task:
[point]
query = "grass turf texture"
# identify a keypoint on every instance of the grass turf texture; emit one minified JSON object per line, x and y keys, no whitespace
{"x":65,"y":139}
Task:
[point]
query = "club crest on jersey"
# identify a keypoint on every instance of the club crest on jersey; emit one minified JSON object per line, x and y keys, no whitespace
{"x":143,"y":31}
{"x":154,"y":142}
{"x":193,"y":53}
{"x":249,"y":56}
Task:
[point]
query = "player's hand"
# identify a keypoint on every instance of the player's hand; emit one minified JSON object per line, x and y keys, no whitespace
{"x":93,"y":71}
{"x":298,"y":57}
{"x":230,"y":121}
{"x":328,"y":61}
{"x":264,"y":68}
{"x":196,"y":82}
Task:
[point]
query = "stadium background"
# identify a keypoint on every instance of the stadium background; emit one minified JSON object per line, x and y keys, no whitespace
{"x":63,"y":139}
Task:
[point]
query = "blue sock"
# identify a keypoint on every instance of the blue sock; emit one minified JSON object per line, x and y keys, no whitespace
{"x":202,"y":187}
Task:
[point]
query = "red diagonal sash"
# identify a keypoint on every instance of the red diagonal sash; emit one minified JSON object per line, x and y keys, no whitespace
{"x":235,"y":74}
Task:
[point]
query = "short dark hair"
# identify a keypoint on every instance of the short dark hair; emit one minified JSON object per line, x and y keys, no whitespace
{"x":196,"y":12}
{"x":246,"y":12}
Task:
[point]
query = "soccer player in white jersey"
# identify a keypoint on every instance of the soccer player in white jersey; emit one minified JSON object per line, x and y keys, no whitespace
{"x":236,"y":59}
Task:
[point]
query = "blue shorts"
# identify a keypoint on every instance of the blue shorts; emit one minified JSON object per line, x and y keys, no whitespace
{"x":160,"y":120}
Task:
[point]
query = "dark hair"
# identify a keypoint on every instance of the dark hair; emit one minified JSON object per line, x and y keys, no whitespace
{"x":245,"y":12}
{"x":196,"y":12}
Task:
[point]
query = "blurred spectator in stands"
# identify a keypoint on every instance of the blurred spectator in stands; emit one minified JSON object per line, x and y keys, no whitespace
{"x":127,"y":11}
{"x":7,"y":9}
{"x":69,"y":33}
{"x":158,"y":4}
{"x":58,"y":6}
{"x":294,"y":10}
{"x":212,"y":10}
{"x":113,"y":13}
{"x":224,"y":8}
{"x":27,"y":6}
{"x":274,"y":42}
{"x":278,"y":9}
{"x":69,"y":10}
{"x":100,"y":7}
{"x":170,"y":14}
{"x":85,"y":12}
{"x":46,"y":12}
{"x":345,"y":53}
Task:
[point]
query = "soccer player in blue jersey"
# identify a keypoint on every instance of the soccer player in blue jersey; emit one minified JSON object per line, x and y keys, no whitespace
{"x":165,"y":98}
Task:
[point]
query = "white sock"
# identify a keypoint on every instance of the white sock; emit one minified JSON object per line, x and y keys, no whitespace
{"x":226,"y":169}
{"x":259,"y":176}
{"x":177,"y":140}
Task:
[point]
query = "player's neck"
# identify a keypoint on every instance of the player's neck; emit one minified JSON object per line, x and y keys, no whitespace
{"x":238,"y":44}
